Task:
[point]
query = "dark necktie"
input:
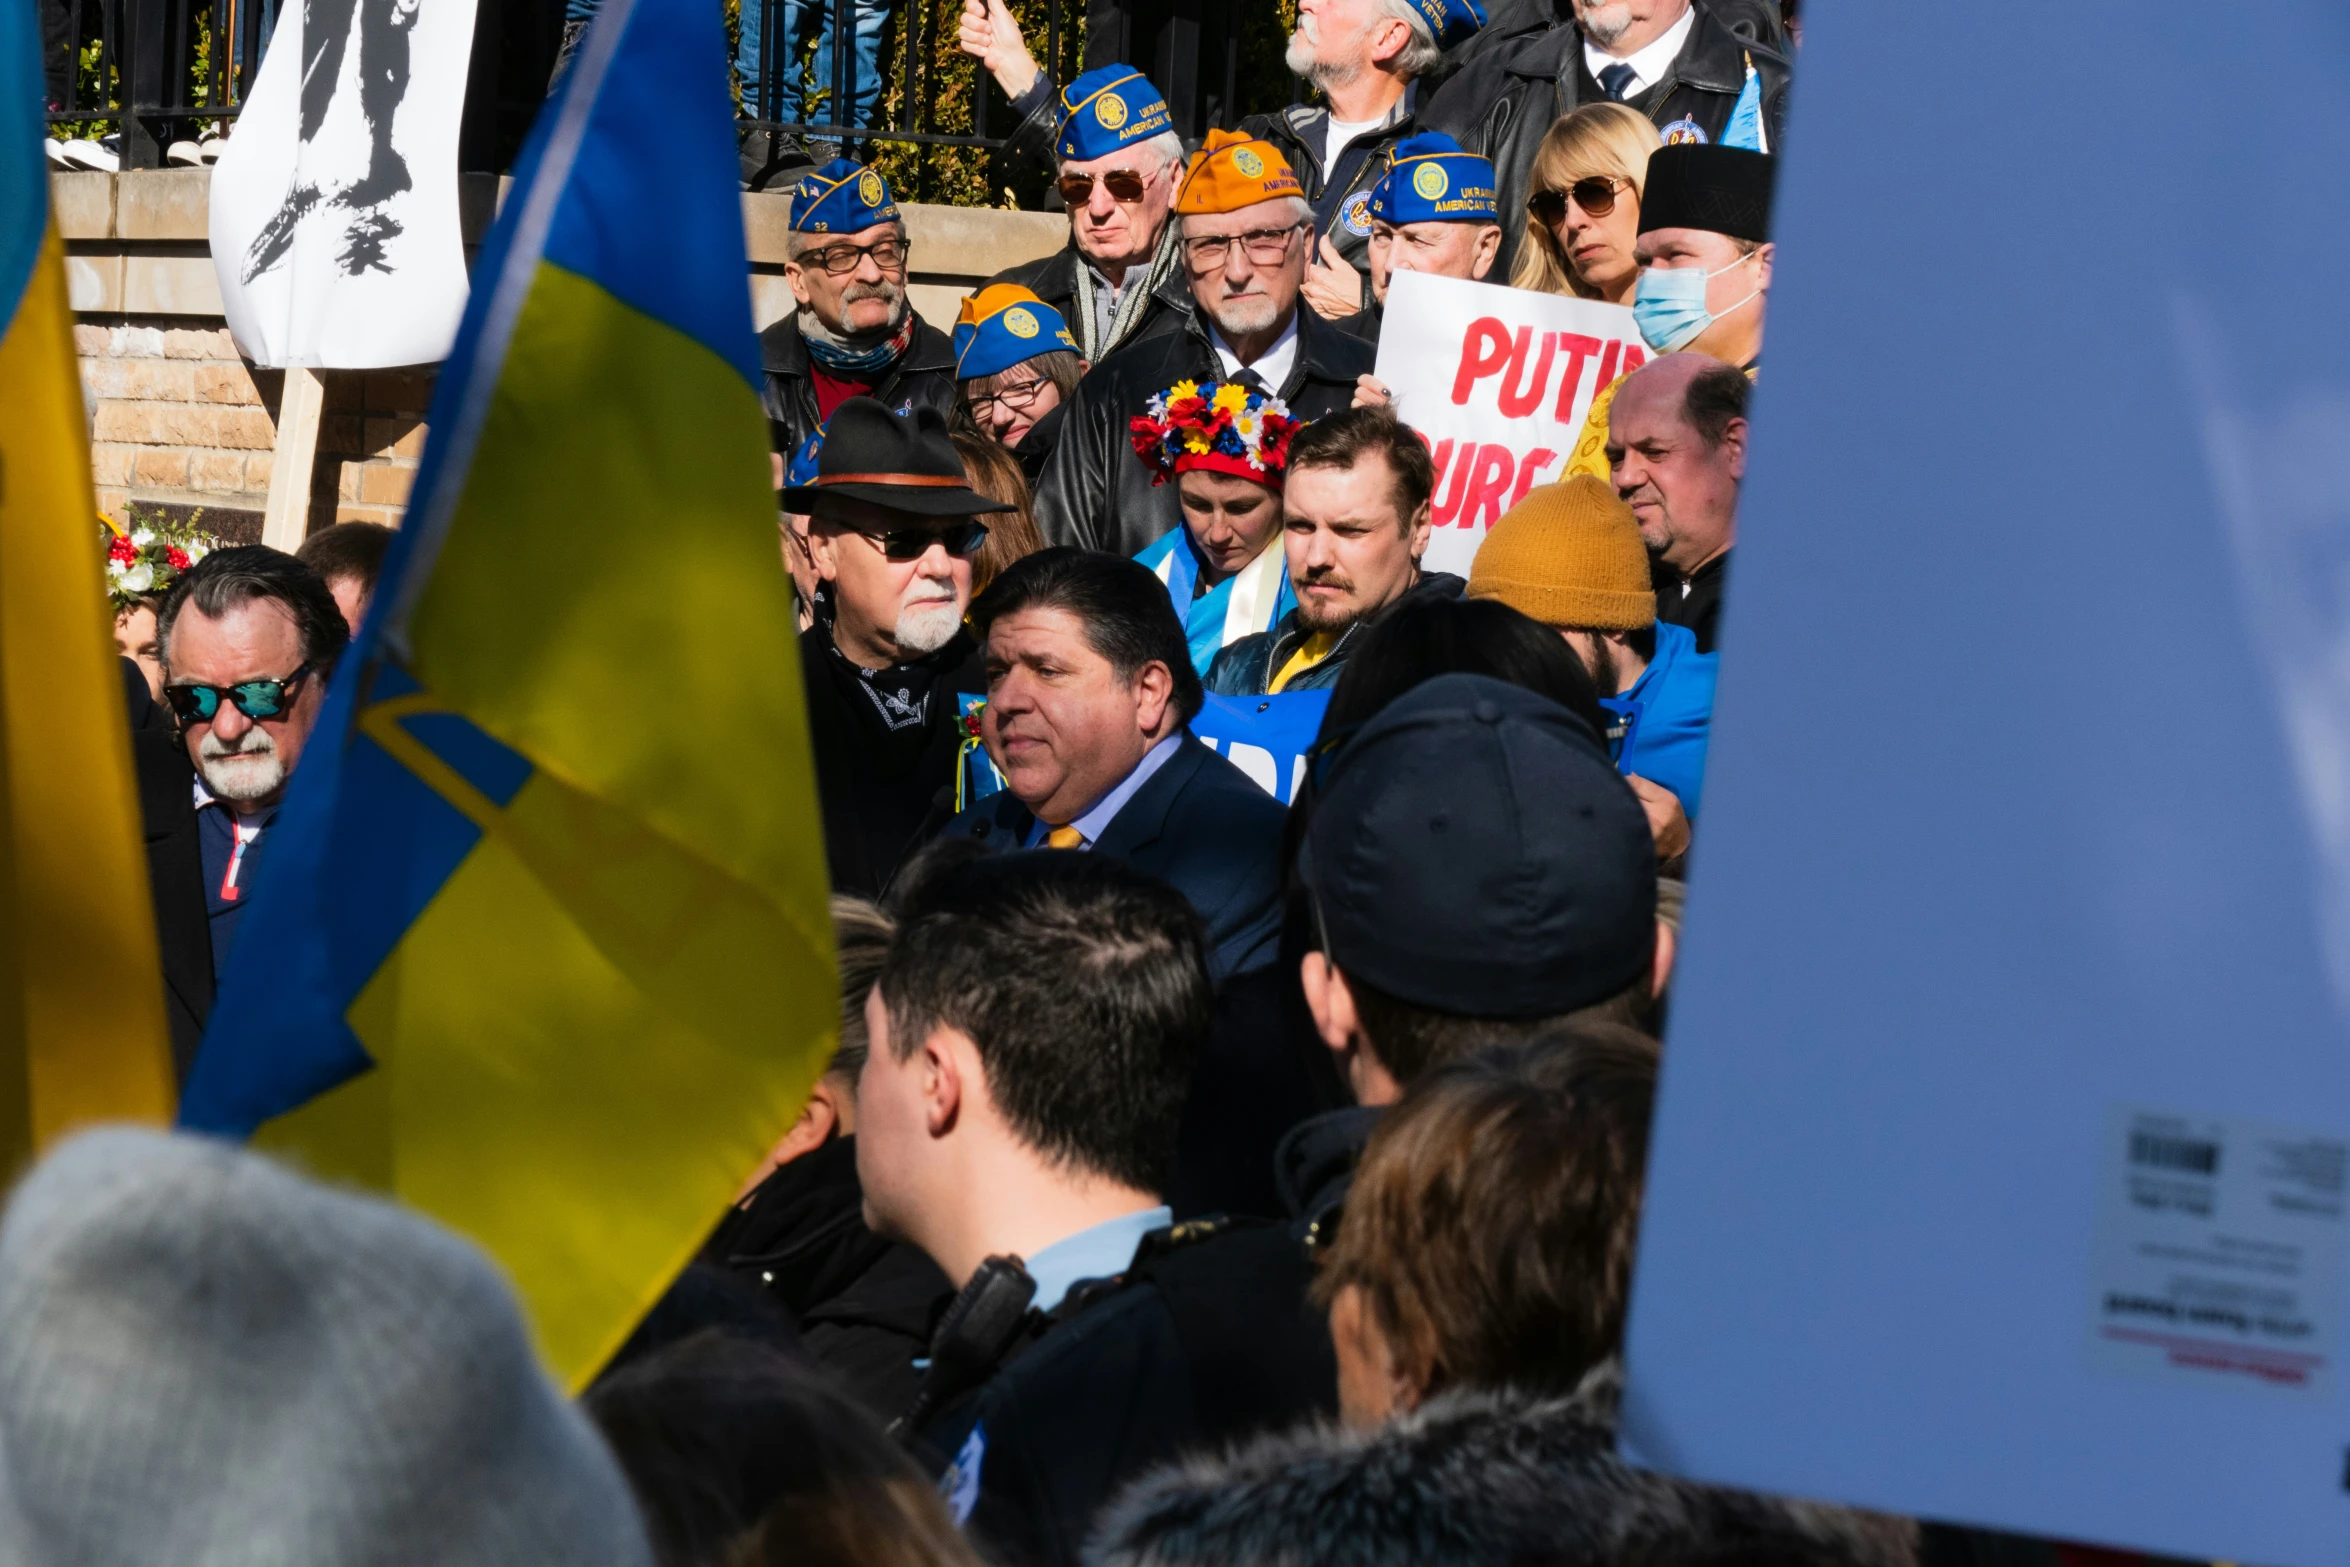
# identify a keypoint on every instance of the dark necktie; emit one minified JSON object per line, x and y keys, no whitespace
{"x":1618,"y":80}
{"x":1244,"y":376}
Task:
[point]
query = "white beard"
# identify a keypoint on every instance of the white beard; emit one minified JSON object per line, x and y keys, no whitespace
{"x":1236,"y":317}
{"x":1603,"y":23}
{"x":1303,"y":57}
{"x":240,"y":774}
{"x":925,"y":628}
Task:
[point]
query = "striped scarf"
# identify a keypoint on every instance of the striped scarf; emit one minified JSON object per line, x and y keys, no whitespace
{"x":1132,"y":301}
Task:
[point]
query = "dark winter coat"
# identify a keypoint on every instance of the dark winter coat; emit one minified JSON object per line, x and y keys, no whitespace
{"x":1472,"y":1479}
{"x":1504,"y":104}
{"x":1207,"y":1339}
{"x":923,"y":377}
{"x":1341,"y":195}
{"x":1200,"y":825}
{"x":1509,"y":23}
{"x":175,"y":866}
{"x":1097,"y":494}
{"x":1246,"y":667}
{"x":882,"y":791}
{"x":864,"y":1305}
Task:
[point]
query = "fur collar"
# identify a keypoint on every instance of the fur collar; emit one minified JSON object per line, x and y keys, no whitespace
{"x":1471,"y":1479}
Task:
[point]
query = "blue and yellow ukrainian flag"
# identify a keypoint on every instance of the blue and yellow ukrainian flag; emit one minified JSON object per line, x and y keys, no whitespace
{"x":542,"y":945}
{"x":81,"y":989}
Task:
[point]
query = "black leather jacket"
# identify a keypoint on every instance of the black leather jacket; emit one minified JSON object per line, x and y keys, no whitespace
{"x":1097,"y":494}
{"x":1301,"y":131}
{"x":1503,"y":104}
{"x":924,"y":376}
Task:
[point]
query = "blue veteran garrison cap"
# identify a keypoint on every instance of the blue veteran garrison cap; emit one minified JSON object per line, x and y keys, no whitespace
{"x":841,"y":198}
{"x":1433,"y":181}
{"x":1450,"y":20}
{"x":1472,"y":851}
{"x":1003,"y":325}
{"x":1107,"y":110}
{"x":800,"y":472}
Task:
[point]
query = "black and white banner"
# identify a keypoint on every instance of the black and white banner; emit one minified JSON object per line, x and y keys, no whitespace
{"x":334,"y":208}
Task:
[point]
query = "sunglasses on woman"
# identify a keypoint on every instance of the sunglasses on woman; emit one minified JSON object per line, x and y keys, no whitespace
{"x":1122,"y":184}
{"x":904,"y":544}
{"x":1596,"y":196}
{"x":253,"y":698}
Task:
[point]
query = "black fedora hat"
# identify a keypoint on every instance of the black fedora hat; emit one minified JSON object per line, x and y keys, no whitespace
{"x":905,"y":461}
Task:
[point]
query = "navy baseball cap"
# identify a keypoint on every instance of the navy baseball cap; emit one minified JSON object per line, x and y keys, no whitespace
{"x":1473,"y":852}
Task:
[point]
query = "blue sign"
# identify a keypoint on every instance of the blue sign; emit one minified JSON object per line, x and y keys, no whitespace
{"x":1266,"y":737}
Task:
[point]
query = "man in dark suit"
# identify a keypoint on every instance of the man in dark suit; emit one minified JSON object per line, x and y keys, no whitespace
{"x":175,"y":865}
{"x":1090,"y":689}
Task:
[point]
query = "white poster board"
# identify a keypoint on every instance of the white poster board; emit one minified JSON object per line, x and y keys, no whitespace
{"x":334,"y":207}
{"x":1499,"y":380}
{"x":1999,"y":1164}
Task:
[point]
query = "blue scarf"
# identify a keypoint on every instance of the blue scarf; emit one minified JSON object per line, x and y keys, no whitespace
{"x":1211,"y":621}
{"x":837,"y":357}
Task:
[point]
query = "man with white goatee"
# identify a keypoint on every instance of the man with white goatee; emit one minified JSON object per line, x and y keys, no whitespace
{"x":248,"y":638}
{"x":892,"y":529}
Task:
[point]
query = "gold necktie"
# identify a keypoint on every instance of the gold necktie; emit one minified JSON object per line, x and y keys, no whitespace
{"x":1064,"y":838}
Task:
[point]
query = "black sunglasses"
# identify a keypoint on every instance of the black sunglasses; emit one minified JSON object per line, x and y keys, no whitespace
{"x":904,"y":544}
{"x":1596,"y":196}
{"x":253,"y":698}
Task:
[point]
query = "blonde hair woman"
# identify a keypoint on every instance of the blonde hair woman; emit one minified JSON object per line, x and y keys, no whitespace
{"x":1584,"y":213}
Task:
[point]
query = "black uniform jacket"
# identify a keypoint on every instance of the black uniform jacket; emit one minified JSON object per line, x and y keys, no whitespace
{"x":1503,"y":104}
{"x":924,"y":376}
{"x":1509,"y":23}
{"x":882,"y":791}
{"x":1207,"y":1338}
{"x":864,"y":1305}
{"x":1053,"y":279}
{"x":175,"y":866}
{"x":1200,"y":825}
{"x":1097,"y":494}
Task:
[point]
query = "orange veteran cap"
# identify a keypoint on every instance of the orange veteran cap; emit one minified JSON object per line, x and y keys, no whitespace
{"x":1235,"y":170}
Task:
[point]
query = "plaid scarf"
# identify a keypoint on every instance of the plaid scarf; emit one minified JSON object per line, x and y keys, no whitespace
{"x":1132,"y":301}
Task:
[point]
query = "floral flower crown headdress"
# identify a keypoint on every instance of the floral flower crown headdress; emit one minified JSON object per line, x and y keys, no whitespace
{"x":148,"y":557}
{"x":1223,"y":427}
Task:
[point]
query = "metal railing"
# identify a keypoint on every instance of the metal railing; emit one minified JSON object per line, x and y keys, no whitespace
{"x":157,"y":71}
{"x":164,"y":70}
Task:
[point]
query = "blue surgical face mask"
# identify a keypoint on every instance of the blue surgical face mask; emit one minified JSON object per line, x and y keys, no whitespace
{"x":1669,"y":306}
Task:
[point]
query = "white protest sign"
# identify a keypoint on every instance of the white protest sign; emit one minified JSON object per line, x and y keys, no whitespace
{"x":1499,"y":380}
{"x":334,"y":208}
{"x":2001,"y":1165}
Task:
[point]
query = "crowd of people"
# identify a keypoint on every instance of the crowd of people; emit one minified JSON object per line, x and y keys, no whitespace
{"x":1207,"y":1172}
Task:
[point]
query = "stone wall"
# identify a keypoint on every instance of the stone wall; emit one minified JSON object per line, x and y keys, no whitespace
{"x":180,"y":423}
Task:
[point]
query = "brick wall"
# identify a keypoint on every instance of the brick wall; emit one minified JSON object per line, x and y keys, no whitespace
{"x":180,"y":423}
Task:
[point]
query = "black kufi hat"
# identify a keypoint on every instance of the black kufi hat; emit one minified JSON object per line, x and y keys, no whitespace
{"x":1697,"y":185}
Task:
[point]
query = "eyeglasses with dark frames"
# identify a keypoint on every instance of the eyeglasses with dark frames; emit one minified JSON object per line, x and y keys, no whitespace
{"x":1124,"y":185}
{"x":1595,"y":195}
{"x":1019,"y":398}
{"x":1262,"y":246}
{"x":256,"y":699}
{"x":841,"y":260}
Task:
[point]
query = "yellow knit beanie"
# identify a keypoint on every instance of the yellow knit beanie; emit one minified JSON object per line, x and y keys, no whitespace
{"x":1569,"y":555}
